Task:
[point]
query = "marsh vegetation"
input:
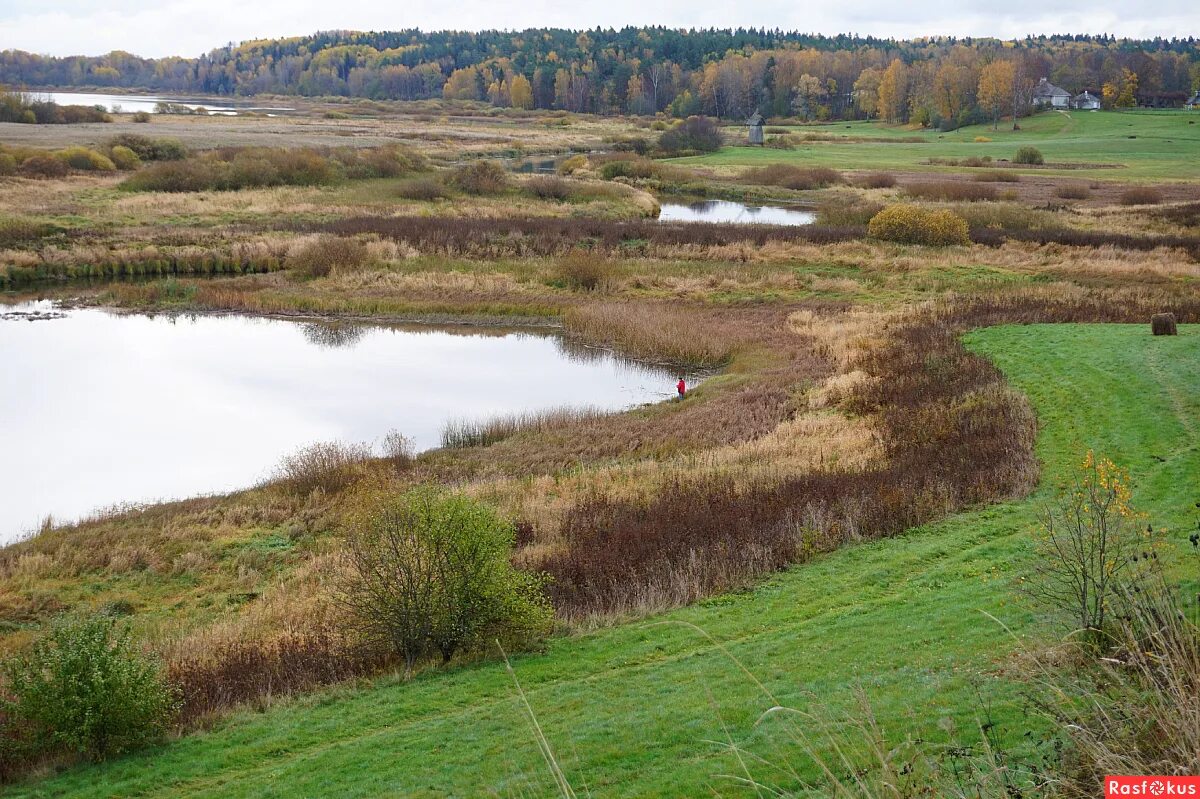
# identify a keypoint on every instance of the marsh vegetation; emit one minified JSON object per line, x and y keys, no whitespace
{"x":839,"y":409}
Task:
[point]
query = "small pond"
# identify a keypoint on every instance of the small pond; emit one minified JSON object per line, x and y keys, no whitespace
{"x":101,"y":408}
{"x":130,"y":103}
{"x":725,"y":211}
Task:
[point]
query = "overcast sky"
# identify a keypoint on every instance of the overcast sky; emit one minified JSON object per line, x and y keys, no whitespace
{"x":191,"y":27}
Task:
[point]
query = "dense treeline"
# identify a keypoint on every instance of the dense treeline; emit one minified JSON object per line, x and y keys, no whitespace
{"x":725,"y":73}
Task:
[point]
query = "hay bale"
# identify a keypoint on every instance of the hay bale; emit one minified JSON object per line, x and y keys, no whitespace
{"x":1163,"y":324}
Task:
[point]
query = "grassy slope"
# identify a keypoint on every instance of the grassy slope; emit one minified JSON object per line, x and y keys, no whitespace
{"x":1165,"y":148}
{"x":630,"y":709}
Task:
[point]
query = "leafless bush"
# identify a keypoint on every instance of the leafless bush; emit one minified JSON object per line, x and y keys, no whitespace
{"x":330,"y":466}
{"x":327,"y":254}
{"x":398,"y":449}
{"x":877,"y":180}
{"x":423,"y":189}
{"x":585,"y":271}
{"x":480,"y":177}
{"x":1141,"y":195}
{"x":1073,"y":191}
{"x":546,"y":187}
{"x":997,"y":176}
{"x":793,"y":177}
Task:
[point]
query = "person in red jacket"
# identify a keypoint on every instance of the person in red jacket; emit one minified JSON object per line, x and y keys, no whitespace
{"x":681,"y":387}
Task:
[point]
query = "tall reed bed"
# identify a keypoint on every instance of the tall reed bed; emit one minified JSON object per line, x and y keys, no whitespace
{"x":154,"y":262}
{"x":653,"y":332}
{"x":462,"y":433}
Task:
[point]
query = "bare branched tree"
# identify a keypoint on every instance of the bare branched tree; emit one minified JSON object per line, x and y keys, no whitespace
{"x":1089,"y":539}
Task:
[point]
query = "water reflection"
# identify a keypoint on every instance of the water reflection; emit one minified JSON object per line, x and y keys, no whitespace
{"x":333,"y":334}
{"x":100,"y":408}
{"x":725,"y":211}
{"x":130,"y":103}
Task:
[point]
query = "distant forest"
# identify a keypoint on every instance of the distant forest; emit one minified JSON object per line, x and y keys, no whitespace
{"x":723,"y":73}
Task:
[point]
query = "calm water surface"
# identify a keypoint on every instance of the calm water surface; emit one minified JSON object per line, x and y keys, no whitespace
{"x":725,"y":211}
{"x":128,"y":104}
{"x":99,"y":409}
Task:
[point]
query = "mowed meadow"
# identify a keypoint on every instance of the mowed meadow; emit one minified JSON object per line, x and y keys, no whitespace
{"x":840,"y":519}
{"x":1141,"y":145}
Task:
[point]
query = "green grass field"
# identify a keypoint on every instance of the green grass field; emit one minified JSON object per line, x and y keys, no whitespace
{"x":632,"y":710}
{"x":1148,"y":145}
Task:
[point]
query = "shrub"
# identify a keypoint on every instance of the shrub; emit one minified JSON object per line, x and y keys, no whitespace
{"x":631,"y":144}
{"x":1072,"y":191}
{"x":172,"y":176}
{"x":982,"y":139}
{"x":43,"y":166}
{"x":388,"y":161}
{"x":877,"y":180}
{"x":696,"y":133}
{"x":1005,"y":216}
{"x":237,"y":168}
{"x":628,"y":168}
{"x":15,"y":230}
{"x":125,"y":159}
{"x":843,"y":213}
{"x":328,"y":254}
{"x":424,"y":189}
{"x":87,"y":688}
{"x":951,"y":190}
{"x":141,"y":116}
{"x":480,"y":177}
{"x":329,"y":465}
{"x":8,"y":164}
{"x":549,"y":188}
{"x":573,"y":164}
{"x":1029,"y":155}
{"x":584,"y":271}
{"x":1141,"y":195}
{"x":997,"y":176}
{"x":792,"y":177}
{"x":452,"y":555}
{"x":84,"y":159}
{"x":911,"y":224}
{"x":148,"y":149}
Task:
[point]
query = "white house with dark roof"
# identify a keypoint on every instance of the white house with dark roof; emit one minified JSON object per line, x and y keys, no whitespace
{"x":1047,"y":95}
{"x":1085,"y":102}
{"x":1193,"y":102}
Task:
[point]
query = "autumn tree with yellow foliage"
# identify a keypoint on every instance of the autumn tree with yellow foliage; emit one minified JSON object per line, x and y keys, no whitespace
{"x":995,"y":86}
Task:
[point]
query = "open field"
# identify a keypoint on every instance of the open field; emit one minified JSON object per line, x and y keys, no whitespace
{"x":1105,"y":145}
{"x":447,"y":133}
{"x":630,"y":711}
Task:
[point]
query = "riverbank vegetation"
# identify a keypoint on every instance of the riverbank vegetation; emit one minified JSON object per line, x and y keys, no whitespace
{"x":839,"y":410}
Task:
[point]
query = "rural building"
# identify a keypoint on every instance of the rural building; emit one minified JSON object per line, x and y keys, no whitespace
{"x":1047,"y":95}
{"x":1194,"y":101}
{"x":755,"y":124}
{"x":1085,"y":102}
